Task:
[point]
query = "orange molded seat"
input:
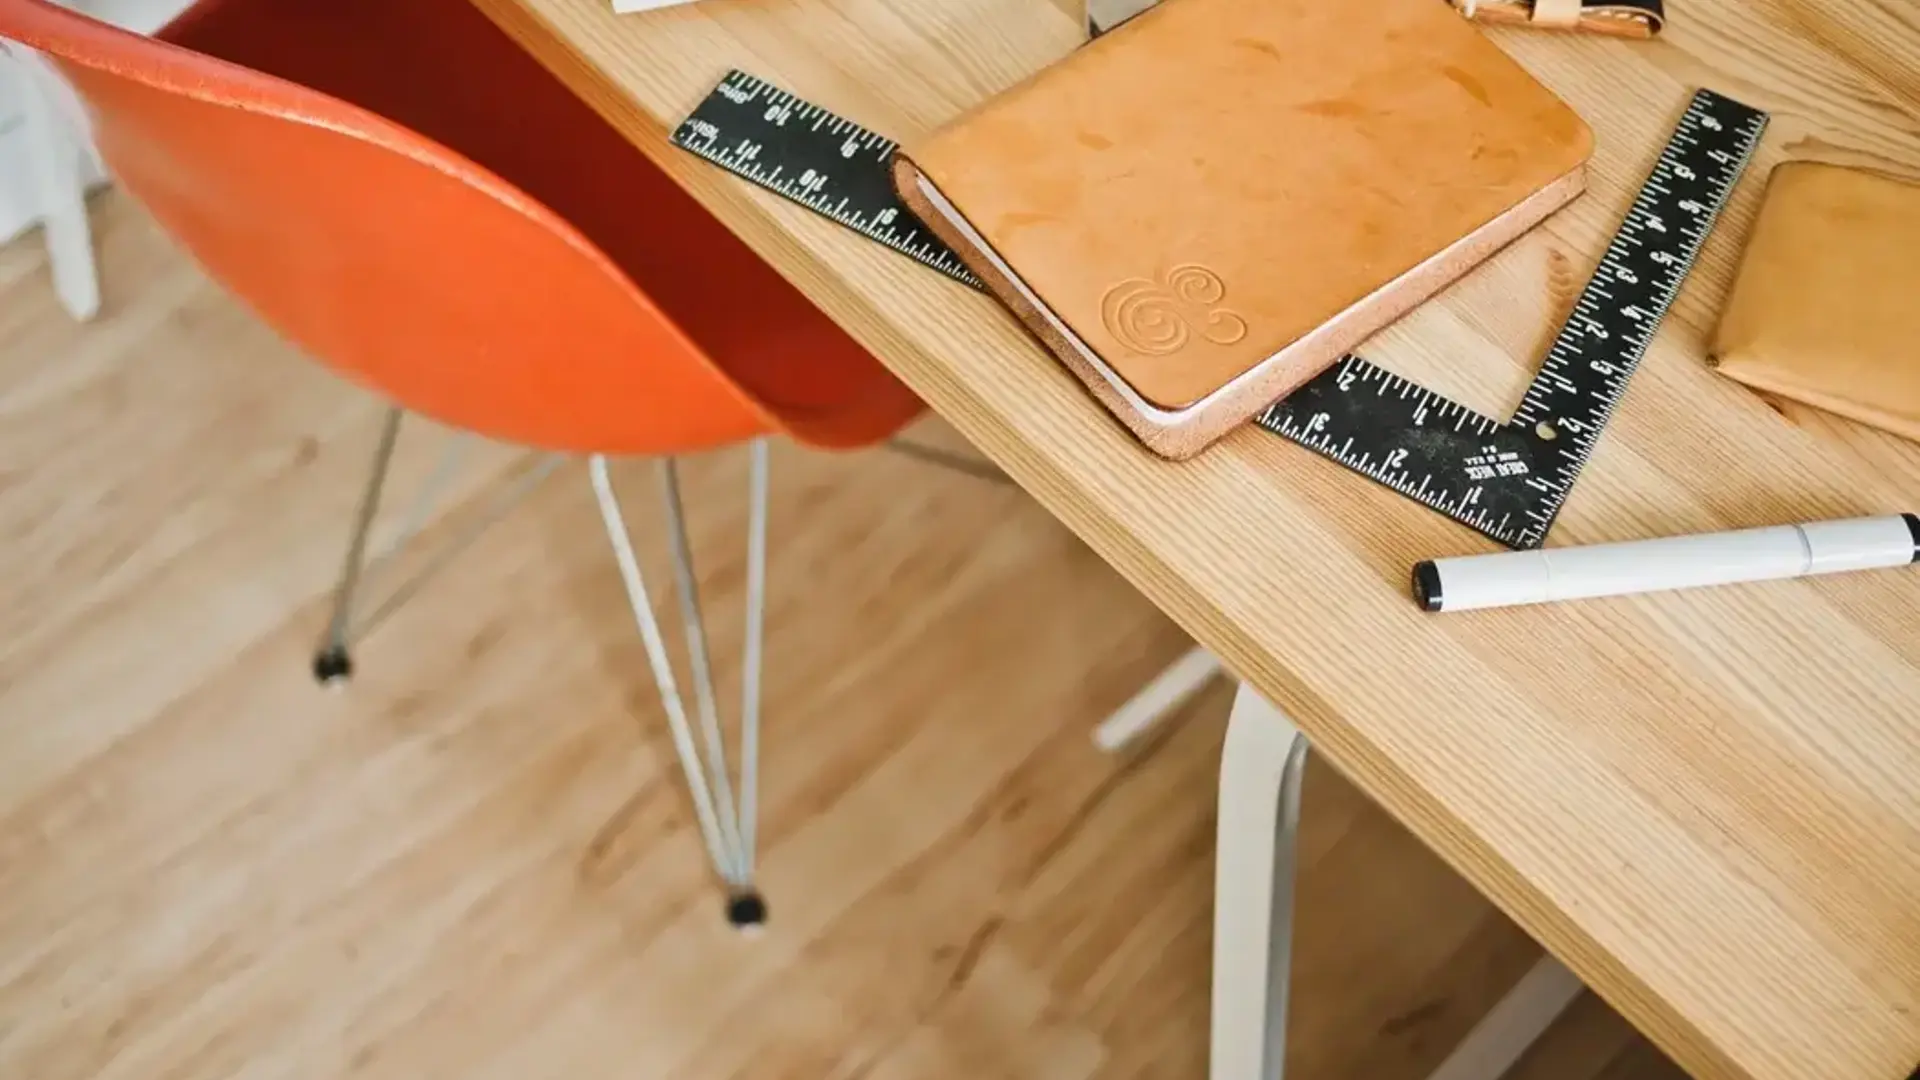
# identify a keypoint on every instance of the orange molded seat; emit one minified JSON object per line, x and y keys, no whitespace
{"x":401,"y":190}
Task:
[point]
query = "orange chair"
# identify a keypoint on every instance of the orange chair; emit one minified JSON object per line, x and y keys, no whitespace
{"x":399,"y":189}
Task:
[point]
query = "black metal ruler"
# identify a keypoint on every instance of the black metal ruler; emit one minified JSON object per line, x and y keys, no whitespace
{"x":832,"y":166}
{"x":1508,"y":479}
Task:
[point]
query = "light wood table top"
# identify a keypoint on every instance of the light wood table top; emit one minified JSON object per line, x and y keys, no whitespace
{"x":1707,"y":804}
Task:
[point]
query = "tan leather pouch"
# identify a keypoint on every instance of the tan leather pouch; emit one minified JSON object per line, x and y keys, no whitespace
{"x":1826,"y":307}
{"x":1203,"y":209}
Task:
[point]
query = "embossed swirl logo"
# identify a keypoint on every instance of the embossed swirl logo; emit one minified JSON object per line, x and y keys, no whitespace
{"x":1158,"y":318}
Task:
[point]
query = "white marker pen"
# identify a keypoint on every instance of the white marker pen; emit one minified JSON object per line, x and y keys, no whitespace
{"x":1680,"y":562}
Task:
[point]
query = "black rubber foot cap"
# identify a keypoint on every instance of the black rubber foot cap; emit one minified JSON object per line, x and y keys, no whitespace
{"x":746,"y":911}
{"x":332,"y":666}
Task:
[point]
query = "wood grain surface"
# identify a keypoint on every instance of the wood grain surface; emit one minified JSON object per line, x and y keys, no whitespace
{"x":1704,"y":803}
{"x":478,"y":860}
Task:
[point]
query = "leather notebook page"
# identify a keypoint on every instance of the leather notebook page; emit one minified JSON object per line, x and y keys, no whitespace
{"x":1203,"y":209}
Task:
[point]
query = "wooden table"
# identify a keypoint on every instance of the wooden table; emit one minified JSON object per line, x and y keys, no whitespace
{"x":1706,"y":804}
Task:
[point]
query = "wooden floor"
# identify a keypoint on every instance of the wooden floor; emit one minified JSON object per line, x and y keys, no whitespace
{"x":477,"y":860}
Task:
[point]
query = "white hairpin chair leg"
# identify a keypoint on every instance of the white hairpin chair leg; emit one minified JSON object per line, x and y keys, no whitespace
{"x":333,"y":659}
{"x":496,"y":508}
{"x":331,"y":662}
{"x":726,"y":826}
{"x":752,"y":650}
{"x":1167,"y":692}
{"x":1262,"y":766}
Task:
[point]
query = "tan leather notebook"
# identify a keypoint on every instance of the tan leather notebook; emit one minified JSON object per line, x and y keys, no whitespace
{"x":1203,"y":209}
{"x":1826,"y":308}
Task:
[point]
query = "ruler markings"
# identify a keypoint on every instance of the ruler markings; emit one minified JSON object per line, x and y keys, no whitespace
{"x":1508,"y":479}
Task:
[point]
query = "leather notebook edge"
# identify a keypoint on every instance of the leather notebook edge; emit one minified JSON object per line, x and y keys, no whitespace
{"x":1183,"y":432}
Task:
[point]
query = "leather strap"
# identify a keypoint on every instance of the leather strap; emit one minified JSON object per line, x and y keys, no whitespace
{"x":1622,"y":18}
{"x":1557,"y":13}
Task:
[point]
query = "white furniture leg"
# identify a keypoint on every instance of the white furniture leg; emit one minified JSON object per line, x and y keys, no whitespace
{"x":59,"y":158}
{"x":726,"y":823}
{"x":1262,"y":766}
{"x":1168,"y":690}
{"x":1261,"y":769}
{"x":1517,"y":1022}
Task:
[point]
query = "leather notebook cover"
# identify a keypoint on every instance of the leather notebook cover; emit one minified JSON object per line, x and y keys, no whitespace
{"x":1203,"y":209}
{"x":1826,"y":307}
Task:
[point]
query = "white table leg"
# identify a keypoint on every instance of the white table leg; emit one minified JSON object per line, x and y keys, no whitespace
{"x":1261,"y":769}
{"x":1262,"y":766}
{"x":1165,"y":693}
{"x":1517,"y":1022}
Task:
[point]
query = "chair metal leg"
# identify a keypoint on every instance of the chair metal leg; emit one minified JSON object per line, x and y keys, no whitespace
{"x":693,"y":624}
{"x":1261,"y":770}
{"x":756,"y":620}
{"x":726,"y":827}
{"x":331,"y":662}
{"x":452,"y":457}
{"x":496,"y":508}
